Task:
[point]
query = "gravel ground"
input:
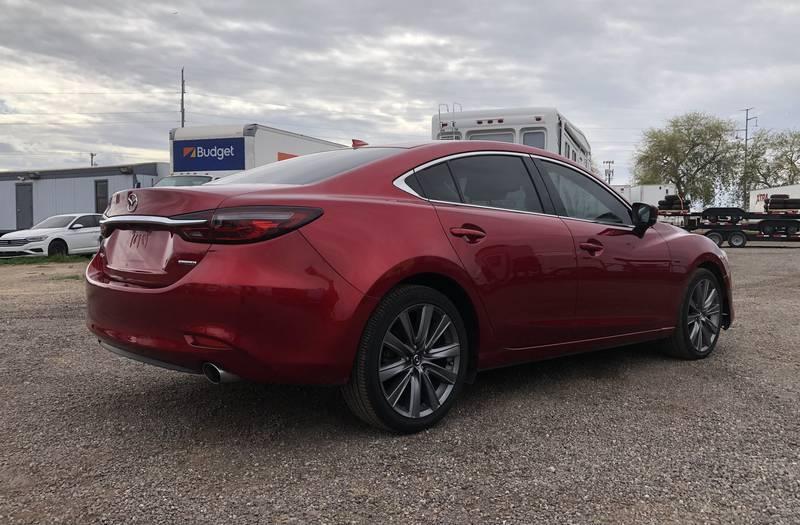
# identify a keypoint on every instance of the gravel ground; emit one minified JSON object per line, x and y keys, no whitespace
{"x":621,"y":436}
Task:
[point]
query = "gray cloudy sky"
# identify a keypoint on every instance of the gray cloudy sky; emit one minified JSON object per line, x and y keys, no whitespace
{"x":104,"y":76}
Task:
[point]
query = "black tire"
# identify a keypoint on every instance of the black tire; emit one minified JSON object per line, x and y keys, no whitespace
{"x":365,"y":394}
{"x":737,"y":240}
{"x":662,"y":203}
{"x":57,"y":247}
{"x":716,"y":237}
{"x":779,"y":196}
{"x":713,"y":219}
{"x":681,"y":344}
{"x":792,"y":229}
{"x":671,"y":198}
{"x":767,"y":229}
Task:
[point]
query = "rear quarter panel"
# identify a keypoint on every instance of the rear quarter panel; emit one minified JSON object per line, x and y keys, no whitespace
{"x":376,"y":243}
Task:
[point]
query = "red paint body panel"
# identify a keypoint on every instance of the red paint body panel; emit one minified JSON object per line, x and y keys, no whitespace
{"x":619,"y":280}
{"x":292,"y":309}
{"x":524,"y":270}
{"x":286,"y":315}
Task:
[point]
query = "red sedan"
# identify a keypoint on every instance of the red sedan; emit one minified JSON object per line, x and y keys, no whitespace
{"x":397,"y":272}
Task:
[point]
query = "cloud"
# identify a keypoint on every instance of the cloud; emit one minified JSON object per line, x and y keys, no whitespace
{"x":108,"y":74}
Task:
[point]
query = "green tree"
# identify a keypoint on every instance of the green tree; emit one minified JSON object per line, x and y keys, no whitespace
{"x":786,"y":157}
{"x":773,"y":159}
{"x":696,"y":152}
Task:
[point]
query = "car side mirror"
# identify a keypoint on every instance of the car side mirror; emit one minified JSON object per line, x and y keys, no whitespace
{"x":76,"y":226}
{"x":644,"y":216}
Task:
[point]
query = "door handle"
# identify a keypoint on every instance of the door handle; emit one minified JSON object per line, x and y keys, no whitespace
{"x":594,"y":248}
{"x":469,"y":233}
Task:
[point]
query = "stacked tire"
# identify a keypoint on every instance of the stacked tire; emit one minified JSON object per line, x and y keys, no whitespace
{"x":674,"y":203}
{"x":781,"y":201}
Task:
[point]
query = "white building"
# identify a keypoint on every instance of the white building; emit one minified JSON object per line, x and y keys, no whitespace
{"x":30,"y":196}
{"x":757,"y":197}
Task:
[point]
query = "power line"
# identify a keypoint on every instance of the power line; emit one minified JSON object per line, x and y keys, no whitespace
{"x":84,"y":123}
{"x":69,"y":152}
{"x":14,"y":93}
{"x":88,"y":113}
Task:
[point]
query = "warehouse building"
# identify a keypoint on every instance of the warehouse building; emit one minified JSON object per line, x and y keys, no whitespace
{"x":30,"y":196}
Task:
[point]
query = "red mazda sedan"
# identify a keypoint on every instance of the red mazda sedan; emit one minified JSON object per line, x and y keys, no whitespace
{"x":397,"y":272}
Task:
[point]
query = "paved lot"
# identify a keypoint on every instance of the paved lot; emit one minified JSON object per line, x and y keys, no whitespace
{"x":620,"y":436}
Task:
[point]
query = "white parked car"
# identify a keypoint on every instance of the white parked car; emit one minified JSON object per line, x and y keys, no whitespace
{"x":74,"y":233}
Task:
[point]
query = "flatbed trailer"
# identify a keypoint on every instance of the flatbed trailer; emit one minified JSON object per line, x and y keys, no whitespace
{"x":736,"y":226}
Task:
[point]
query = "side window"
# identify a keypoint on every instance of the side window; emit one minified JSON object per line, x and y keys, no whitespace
{"x":437,"y":184}
{"x":497,"y":136}
{"x":582,"y":197}
{"x":88,"y":221}
{"x":498,"y":181}
{"x":534,"y":139}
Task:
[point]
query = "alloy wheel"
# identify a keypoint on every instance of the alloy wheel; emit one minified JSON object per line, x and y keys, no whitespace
{"x":704,"y":315}
{"x":419,"y":360}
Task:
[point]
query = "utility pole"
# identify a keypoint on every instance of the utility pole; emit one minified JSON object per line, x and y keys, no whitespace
{"x":91,"y":158}
{"x":609,"y":171}
{"x":183,"y":92}
{"x":745,"y":189}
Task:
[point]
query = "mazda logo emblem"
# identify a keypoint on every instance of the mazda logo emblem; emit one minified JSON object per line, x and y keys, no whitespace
{"x":133,"y":201}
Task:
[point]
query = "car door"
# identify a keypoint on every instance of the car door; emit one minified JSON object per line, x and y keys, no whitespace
{"x":622,"y":273}
{"x":84,"y":238}
{"x":521,"y":259}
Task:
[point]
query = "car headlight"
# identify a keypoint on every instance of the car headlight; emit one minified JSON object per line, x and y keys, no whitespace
{"x":36,"y":239}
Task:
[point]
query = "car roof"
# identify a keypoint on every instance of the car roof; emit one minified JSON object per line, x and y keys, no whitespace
{"x":440,"y":148}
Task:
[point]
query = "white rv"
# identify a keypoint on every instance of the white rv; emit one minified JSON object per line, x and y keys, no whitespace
{"x":212,"y":152}
{"x":544,"y":128}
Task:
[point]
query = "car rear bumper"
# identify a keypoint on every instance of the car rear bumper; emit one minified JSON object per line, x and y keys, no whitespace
{"x":273,"y":311}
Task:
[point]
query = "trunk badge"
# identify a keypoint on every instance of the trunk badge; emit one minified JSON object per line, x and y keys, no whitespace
{"x":133,"y":201}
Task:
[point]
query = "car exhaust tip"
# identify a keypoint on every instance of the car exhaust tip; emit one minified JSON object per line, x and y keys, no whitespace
{"x":217,"y":375}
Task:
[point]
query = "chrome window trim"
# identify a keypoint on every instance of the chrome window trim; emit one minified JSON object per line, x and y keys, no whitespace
{"x":400,"y":183}
{"x":150,"y":219}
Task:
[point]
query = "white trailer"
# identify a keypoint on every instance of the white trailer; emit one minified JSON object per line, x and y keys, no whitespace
{"x":218,"y":151}
{"x":544,"y":128}
{"x":758,"y":197}
{"x":647,"y":193}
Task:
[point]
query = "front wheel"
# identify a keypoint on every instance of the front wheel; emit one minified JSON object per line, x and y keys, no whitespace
{"x":411,"y":362}
{"x":700,"y":318}
{"x":57,"y":248}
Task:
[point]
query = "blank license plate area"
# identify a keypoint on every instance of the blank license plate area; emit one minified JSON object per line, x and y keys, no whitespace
{"x":146,"y":251}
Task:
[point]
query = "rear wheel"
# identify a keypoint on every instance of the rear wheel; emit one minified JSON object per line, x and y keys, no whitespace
{"x":411,"y":362}
{"x":737,"y":240}
{"x":57,"y":247}
{"x":700,"y":318}
{"x":792,"y":229}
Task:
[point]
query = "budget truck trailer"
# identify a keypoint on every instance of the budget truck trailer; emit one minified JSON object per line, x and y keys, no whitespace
{"x":779,"y":222}
{"x":218,"y":151}
{"x":544,"y":128}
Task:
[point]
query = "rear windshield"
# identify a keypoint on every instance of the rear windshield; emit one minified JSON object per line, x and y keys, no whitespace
{"x":183,"y":180}
{"x":59,"y":221}
{"x":308,"y":169}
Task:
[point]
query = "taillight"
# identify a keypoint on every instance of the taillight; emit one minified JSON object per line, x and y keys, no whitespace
{"x":246,"y":224}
